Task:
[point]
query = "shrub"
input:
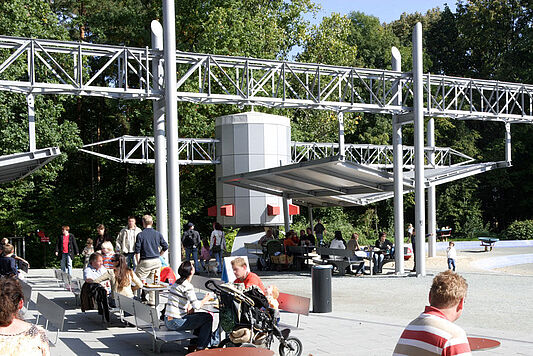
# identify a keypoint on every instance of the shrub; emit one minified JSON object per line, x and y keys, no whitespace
{"x":520,"y":230}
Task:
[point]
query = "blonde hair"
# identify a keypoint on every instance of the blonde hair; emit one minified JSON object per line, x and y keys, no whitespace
{"x":447,"y":290}
{"x":107,"y":245}
{"x":8,"y":248}
{"x":239,"y":261}
{"x":147,"y":220}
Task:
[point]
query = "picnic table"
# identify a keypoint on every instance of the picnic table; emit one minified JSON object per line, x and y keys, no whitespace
{"x":444,"y":233}
{"x":301,"y":254}
{"x":488,"y":242}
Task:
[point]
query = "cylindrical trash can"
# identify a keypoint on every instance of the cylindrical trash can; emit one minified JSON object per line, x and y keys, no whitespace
{"x":321,"y":288}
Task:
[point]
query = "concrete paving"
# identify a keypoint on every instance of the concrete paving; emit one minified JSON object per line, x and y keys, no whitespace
{"x":369,"y":313}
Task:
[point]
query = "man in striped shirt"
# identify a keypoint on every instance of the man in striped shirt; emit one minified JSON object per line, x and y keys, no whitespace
{"x":433,"y":332}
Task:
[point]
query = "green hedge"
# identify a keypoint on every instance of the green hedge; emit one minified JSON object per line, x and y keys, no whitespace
{"x":520,"y":230}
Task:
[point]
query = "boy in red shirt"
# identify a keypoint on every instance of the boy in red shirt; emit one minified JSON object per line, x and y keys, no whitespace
{"x":240,"y":269}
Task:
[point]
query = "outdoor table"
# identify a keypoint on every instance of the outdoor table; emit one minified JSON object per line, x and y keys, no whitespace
{"x":234,"y":351}
{"x":157,"y":290}
{"x":301,"y":253}
{"x":444,"y":233}
{"x":482,"y":344}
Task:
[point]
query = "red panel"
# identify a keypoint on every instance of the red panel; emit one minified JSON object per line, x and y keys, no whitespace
{"x":294,"y":209}
{"x":273,"y":210}
{"x":212,"y":211}
{"x":227,"y":210}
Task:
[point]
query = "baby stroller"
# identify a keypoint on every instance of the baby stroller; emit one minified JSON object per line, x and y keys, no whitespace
{"x":249,"y":322}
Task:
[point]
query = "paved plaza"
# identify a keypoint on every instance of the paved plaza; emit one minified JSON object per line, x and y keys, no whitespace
{"x":369,"y":313}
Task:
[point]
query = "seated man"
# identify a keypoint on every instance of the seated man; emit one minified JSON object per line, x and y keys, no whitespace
{"x":386,"y":248}
{"x":269,"y":235}
{"x":434,"y":331}
{"x":95,"y":269}
{"x":243,"y":275}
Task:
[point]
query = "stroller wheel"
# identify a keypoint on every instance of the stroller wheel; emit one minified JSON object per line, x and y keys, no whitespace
{"x":292,"y":347}
{"x":228,"y":343}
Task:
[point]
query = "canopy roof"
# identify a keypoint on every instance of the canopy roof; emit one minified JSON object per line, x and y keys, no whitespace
{"x":19,"y":165}
{"x":334,"y":181}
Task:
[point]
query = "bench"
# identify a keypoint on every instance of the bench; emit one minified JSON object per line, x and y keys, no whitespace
{"x":342,"y":258}
{"x":294,"y":304}
{"x":488,"y":242}
{"x":70,"y":283}
{"x":125,"y":305}
{"x":147,"y":320}
{"x":52,"y":313}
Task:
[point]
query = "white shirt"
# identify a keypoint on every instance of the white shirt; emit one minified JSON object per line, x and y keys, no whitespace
{"x":126,"y":239}
{"x":451,"y":252}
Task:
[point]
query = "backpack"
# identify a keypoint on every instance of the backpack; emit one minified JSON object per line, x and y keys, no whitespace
{"x":188,"y":240}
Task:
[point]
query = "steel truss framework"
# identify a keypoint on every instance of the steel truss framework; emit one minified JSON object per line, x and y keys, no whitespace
{"x":125,"y":72}
{"x":140,"y":150}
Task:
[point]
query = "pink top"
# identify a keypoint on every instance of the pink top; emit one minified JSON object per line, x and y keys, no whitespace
{"x":205,"y":254}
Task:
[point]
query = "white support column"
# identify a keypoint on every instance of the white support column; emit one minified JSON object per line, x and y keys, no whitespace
{"x":160,"y":141}
{"x":432,"y":197}
{"x":310,"y":216}
{"x":286,"y":215}
{"x":171,"y":110}
{"x":508,"y":143}
{"x":30,"y":100}
{"x":397,"y":151}
{"x":342,"y":149}
{"x":418,"y":103}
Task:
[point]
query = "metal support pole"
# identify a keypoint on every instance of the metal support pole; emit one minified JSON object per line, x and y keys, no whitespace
{"x":508,"y":143}
{"x":432,"y":198}
{"x":397,"y":152}
{"x":171,"y":109}
{"x":30,"y":100}
{"x":342,"y":149}
{"x":286,"y":215}
{"x":160,"y":143}
{"x":418,"y":104}
{"x":310,"y":216}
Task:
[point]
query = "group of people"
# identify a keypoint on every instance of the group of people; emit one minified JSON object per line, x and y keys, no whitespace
{"x":212,"y":248}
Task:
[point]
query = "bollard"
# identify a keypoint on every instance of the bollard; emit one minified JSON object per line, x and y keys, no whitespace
{"x":321,"y":288}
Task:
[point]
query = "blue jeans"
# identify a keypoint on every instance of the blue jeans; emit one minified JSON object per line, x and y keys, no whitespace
{"x":130,"y":260}
{"x":66,"y":263}
{"x":192,"y":252}
{"x":451,"y":262}
{"x":200,"y":322}
{"x":218,"y":257}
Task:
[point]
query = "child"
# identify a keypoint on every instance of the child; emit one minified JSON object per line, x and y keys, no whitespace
{"x":205,"y":255}
{"x":87,"y":252}
{"x":107,"y":254}
{"x":452,"y":255}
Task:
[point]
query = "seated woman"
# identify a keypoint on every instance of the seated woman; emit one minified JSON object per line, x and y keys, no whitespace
{"x":121,"y":277}
{"x":339,"y":243}
{"x":386,"y":248}
{"x":353,"y":245}
{"x":180,"y":312}
{"x":18,"y":337}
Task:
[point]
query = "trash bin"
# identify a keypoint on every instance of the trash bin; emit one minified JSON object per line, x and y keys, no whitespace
{"x":321,"y":288}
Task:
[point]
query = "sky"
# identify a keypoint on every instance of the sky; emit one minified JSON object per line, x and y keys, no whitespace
{"x":385,"y":10}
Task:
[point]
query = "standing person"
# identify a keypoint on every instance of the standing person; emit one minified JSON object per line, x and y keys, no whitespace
{"x":182,"y":302}
{"x":451,"y":253}
{"x":67,"y":247}
{"x":319,"y":231}
{"x":434,"y":331}
{"x":18,"y":337}
{"x":88,"y":250}
{"x":191,"y":242}
{"x":8,"y":266}
{"x":126,"y":241}
{"x":150,"y":244}
{"x":386,"y":249}
{"x":101,"y":237}
{"x":218,"y":244}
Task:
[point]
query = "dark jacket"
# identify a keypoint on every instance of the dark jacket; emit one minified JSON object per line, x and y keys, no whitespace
{"x":8,"y":266}
{"x":91,"y":293}
{"x":148,"y":243}
{"x":191,"y":235}
{"x":72,"y":246}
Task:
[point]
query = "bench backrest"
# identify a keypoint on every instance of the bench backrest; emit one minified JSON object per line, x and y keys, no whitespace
{"x":294,"y":303}
{"x":53,"y":313}
{"x":57,"y":274}
{"x":26,"y":289}
{"x":334,"y":252}
{"x":126,"y":304}
{"x":145,"y":315}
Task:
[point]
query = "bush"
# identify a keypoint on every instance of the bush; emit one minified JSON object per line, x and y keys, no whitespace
{"x":519,"y":230}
